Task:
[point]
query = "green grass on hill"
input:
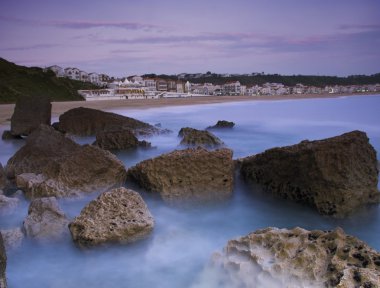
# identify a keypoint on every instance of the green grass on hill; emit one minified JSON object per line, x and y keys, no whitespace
{"x":16,"y":81}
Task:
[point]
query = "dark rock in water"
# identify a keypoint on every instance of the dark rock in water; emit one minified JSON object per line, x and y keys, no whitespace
{"x":118,"y":140}
{"x":29,"y":114}
{"x":3,"y":264}
{"x":7,"y":135}
{"x":45,"y":219}
{"x":297,"y":257}
{"x":187,"y":175}
{"x":50,"y":164}
{"x":221,"y":124}
{"x":194,"y":137}
{"x":85,"y":121}
{"x":336,"y":175}
{"x":3,"y":178}
{"x":119,"y":215}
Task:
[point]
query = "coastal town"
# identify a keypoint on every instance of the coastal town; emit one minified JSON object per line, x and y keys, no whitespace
{"x":143,"y":87}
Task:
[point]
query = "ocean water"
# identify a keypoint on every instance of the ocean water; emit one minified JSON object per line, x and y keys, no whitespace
{"x":185,"y":238}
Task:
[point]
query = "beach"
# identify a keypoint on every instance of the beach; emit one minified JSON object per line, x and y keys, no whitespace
{"x":6,"y":110}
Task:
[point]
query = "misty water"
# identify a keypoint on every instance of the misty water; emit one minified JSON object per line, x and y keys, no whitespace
{"x":184,"y":238}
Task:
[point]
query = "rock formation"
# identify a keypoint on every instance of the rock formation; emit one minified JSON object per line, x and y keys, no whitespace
{"x":85,"y":121}
{"x":45,"y":219}
{"x":119,"y":215}
{"x":297,"y":257}
{"x":336,"y":175}
{"x":50,"y":164}
{"x":3,"y":178}
{"x":187,"y":175}
{"x":221,"y":124}
{"x":118,"y":140}
{"x":7,"y":203}
{"x":3,"y":264}
{"x":29,"y":113}
{"x":7,"y":135}
{"x":193,"y":137}
{"x":12,"y":238}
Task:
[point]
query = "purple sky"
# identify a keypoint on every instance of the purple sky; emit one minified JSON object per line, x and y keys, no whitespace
{"x":122,"y":37}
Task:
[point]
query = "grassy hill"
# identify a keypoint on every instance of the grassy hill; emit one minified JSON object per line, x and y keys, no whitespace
{"x":17,"y":80}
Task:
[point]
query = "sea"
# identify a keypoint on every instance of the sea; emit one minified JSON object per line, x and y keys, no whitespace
{"x":184,"y":238}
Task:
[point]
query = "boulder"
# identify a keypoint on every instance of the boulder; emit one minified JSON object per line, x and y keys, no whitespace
{"x":45,"y":219}
{"x":3,"y":264}
{"x":85,"y":121}
{"x":7,"y":135}
{"x":3,"y":178}
{"x":297,"y":257}
{"x":50,"y":164}
{"x":8,"y":203}
{"x":335,"y":175}
{"x":29,"y":113}
{"x":118,"y":140}
{"x":193,"y":137}
{"x":222,"y":124}
{"x":119,"y":215}
{"x":187,"y":175}
{"x":12,"y":238}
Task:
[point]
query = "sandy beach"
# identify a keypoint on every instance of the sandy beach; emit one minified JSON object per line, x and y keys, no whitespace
{"x":6,"y":110}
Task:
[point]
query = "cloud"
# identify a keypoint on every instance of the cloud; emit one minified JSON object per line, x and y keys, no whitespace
{"x":30,"y":47}
{"x":360,"y":27}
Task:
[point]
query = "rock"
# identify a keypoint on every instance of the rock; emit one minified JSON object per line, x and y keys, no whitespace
{"x":45,"y":219}
{"x":29,"y":113}
{"x":12,"y":238}
{"x":85,"y":121}
{"x":297,"y":257}
{"x":194,"y":137}
{"x":118,"y":140}
{"x":3,"y":178}
{"x":7,"y":135}
{"x":119,"y":215}
{"x":336,"y":175}
{"x":8,"y":203}
{"x":50,"y":164}
{"x":187,"y":175}
{"x":3,"y":264}
{"x":221,"y":124}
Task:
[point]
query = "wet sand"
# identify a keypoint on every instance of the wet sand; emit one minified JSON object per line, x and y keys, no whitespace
{"x":6,"y":110}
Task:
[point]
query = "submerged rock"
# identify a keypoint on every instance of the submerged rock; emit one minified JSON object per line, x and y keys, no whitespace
{"x":119,"y":215}
{"x":50,"y":164}
{"x":85,"y":121}
{"x":222,"y":124}
{"x":45,"y":219}
{"x":336,"y":175}
{"x":118,"y":140}
{"x":29,"y":114}
{"x":8,"y":203}
{"x":187,"y":175}
{"x":12,"y":238}
{"x":297,"y":257}
{"x":3,"y":264}
{"x":203,"y":138}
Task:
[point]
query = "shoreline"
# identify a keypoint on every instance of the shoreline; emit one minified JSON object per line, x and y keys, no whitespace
{"x":6,"y":110}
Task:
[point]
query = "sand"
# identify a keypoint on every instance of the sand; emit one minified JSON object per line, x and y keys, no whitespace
{"x":6,"y":110}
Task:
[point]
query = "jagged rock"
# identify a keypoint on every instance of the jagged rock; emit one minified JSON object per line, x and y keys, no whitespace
{"x":50,"y":164}
{"x":119,"y":215}
{"x":118,"y":140}
{"x":203,"y":138}
{"x":45,"y":219}
{"x":7,"y":135}
{"x":8,"y":203}
{"x":221,"y":124}
{"x":187,"y":175}
{"x":336,"y":175}
{"x":297,"y":257}
{"x":85,"y":121}
{"x":29,"y":113}
{"x":3,"y":178}
{"x":3,"y":264}
{"x":12,"y":238}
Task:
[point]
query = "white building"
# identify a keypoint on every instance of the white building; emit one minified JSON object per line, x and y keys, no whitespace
{"x":72,"y":73}
{"x":58,"y":71}
{"x":93,"y":78}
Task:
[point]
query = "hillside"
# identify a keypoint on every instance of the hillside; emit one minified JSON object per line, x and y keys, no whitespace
{"x":19,"y":80}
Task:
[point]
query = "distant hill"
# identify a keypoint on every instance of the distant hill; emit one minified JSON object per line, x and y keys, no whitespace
{"x":18,"y":80}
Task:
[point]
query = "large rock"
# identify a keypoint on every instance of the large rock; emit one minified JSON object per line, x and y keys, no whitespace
{"x":187,"y":175}
{"x":297,"y":257}
{"x":118,"y":140}
{"x":50,"y":164}
{"x":119,"y":215}
{"x":222,"y":124}
{"x":336,"y":175}
{"x":3,"y":264}
{"x":45,"y":219}
{"x":12,"y":238}
{"x":193,"y":137}
{"x":3,"y":178}
{"x":29,"y":113}
{"x":85,"y":121}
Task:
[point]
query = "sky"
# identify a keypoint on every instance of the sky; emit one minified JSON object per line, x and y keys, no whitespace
{"x":123,"y":37}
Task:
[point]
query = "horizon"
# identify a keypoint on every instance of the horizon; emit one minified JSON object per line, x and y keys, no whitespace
{"x":324,"y":38}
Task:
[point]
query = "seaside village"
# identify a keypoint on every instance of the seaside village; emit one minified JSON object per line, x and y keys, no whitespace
{"x":138,"y":87}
